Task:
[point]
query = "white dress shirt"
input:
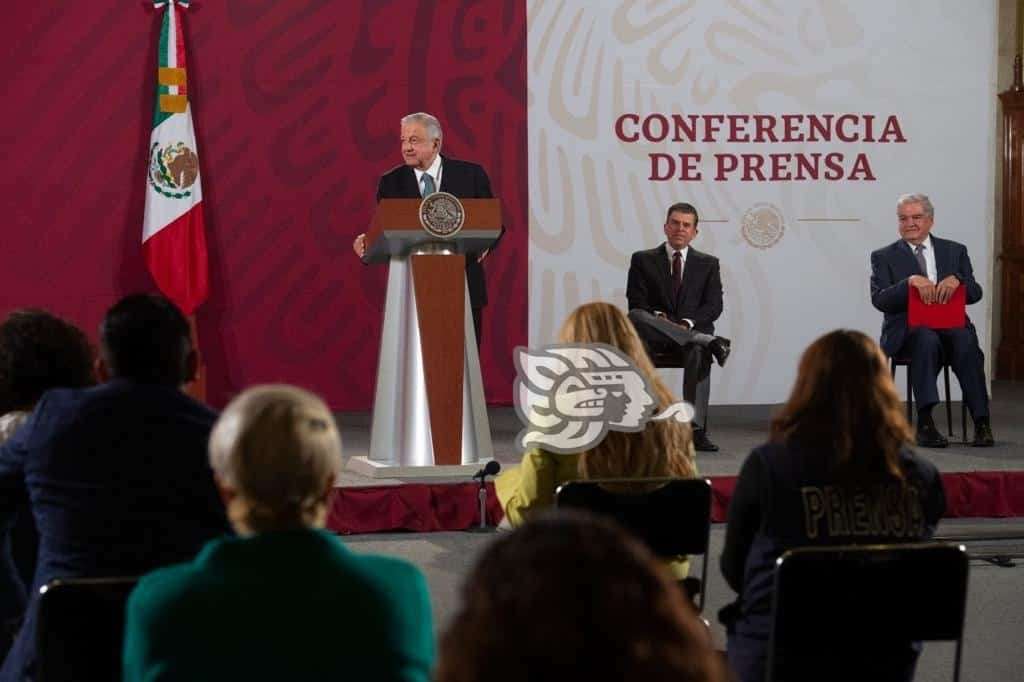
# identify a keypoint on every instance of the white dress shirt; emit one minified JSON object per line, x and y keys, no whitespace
{"x":671,"y":252}
{"x":929,"y":258}
{"x":434,"y":171}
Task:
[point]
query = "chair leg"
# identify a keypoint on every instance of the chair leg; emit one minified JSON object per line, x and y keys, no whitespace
{"x":949,"y":404}
{"x":910,"y":397}
{"x":963,"y":419}
{"x":707,"y":405}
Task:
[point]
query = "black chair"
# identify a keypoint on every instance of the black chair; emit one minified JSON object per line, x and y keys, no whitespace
{"x":80,"y":629}
{"x":895,"y":362}
{"x":671,"y":515}
{"x":854,"y":612}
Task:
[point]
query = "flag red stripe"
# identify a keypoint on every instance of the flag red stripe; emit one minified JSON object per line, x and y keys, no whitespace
{"x":176,"y":257}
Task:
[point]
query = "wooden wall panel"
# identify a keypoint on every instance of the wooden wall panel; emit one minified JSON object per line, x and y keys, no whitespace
{"x":1010,"y":352}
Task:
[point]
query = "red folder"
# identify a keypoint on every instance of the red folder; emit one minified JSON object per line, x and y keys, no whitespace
{"x":949,"y":315}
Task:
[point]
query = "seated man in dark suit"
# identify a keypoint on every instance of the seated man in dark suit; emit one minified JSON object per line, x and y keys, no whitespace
{"x":426,"y":171}
{"x":117,"y":475}
{"x":675,"y":296}
{"x":936,"y":267}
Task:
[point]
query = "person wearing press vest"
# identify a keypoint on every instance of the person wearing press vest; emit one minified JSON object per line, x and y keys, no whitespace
{"x":837,"y":469}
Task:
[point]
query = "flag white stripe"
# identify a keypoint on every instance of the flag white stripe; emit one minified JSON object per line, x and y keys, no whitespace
{"x":162,"y":210}
{"x":172,"y":38}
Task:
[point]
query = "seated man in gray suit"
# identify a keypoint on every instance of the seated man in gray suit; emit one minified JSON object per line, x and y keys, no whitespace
{"x":675,"y":296}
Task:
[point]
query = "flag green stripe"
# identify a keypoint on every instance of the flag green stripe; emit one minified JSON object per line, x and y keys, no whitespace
{"x":161,"y":58}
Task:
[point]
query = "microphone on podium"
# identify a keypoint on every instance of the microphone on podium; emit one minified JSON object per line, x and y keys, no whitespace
{"x":490,"y":469}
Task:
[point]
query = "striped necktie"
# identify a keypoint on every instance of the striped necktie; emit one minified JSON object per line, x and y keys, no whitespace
{"x":921,"y":262}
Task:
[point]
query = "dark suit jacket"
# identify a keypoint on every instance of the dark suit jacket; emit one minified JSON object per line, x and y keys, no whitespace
{"x":893,"y":265}
{"x":119,"y":483}
{"x":463,"y":179}
{"x":649,"y":287}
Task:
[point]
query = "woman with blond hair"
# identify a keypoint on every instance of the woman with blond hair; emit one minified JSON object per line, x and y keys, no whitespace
{"x":285,"y":600}
{"x":840,"y":443}
{"x":661,"y":449}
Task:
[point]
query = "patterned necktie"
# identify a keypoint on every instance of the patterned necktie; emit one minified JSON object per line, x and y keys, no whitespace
{"x":677,"y":274}
{"x":921,"y":262}
{"x":428,"y":185}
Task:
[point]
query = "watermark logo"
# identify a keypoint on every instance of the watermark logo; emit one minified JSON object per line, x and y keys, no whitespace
{"x":568,"y":396}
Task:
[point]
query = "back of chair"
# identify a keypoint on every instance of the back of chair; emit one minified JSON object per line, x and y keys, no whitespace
{"x":672,"y":516}
{"x":858,"y":609}
{"x":80,"y":629}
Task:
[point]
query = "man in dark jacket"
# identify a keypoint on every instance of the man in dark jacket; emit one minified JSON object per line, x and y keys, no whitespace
{"x":425,"y":171}
{"x":936,"y":268}
{"x":675,"y":296}
{"x":117,"y":475}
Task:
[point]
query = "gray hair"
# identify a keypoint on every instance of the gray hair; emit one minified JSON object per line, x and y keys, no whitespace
{"x":432,"y":125}
{"x":922,"y":199}
{"x":278,"y":448}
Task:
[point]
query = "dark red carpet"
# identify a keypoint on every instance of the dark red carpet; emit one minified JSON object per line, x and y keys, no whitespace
{"x":423,"y":507}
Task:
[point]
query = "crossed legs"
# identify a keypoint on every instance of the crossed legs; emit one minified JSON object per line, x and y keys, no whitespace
{"x":663,"y":336}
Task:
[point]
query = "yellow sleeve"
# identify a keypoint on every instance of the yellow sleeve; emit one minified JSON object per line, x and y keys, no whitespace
{"x":531,"y":486}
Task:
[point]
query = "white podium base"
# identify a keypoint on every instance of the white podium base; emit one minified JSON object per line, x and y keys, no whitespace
{"x":375,"y":469}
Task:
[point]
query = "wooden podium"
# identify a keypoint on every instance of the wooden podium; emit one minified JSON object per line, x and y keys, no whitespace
{"x":429,"y":412}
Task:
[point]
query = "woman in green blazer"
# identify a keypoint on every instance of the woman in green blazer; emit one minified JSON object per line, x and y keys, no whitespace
{"x":285,"y":600}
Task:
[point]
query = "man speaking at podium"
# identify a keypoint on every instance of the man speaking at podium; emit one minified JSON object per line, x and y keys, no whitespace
{"x":936,"y":268}
{"x":426,"y":171}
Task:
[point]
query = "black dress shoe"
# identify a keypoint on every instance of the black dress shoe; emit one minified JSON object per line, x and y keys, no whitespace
{"x":702,"y":443}
{"x":929,"y":437}
{"x":720,"y":349}
{"x":983,"y":436}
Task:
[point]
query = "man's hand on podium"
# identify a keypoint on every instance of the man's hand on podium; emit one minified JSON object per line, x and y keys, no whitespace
{"x":925,"y":287}
{"x":944,"y":290}
{"x":359,"y":245}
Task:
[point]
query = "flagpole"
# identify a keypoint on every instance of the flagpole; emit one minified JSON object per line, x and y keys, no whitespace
{"x":173,"y":231}
{"x":197,"y":387}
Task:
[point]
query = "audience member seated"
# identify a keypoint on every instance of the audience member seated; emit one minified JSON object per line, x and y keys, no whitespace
{"x":570,"y":597}
{"x":117,"y":474}
{"x":38,"y":351}
{"x":285,"y":600}
{"x":836,"y":470}
{"x":663,"y":448}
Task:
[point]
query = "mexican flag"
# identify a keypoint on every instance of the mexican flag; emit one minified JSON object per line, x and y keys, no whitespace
{"x":173,"y":236}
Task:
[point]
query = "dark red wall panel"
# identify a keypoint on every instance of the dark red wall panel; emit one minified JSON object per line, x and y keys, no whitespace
{"x":296,"y":106}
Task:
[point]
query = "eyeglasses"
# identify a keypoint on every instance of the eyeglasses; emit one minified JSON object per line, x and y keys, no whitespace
{"x":916,"y":218}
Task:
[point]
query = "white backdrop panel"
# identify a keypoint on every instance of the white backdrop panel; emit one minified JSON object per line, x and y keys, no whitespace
{"x":929,"y":63}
